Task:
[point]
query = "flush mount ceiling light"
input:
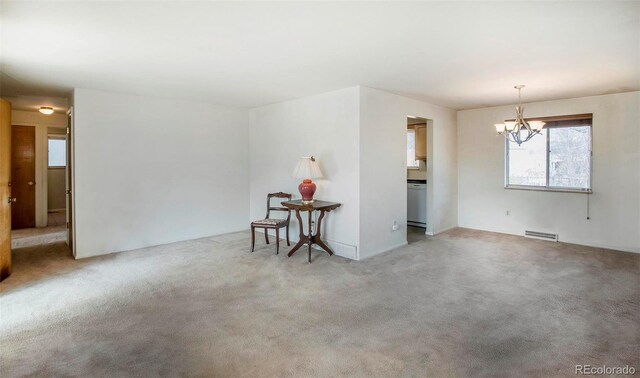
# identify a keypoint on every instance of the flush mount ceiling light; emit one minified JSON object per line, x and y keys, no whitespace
{"x":46,"y":110}
{"x":519,"y":131}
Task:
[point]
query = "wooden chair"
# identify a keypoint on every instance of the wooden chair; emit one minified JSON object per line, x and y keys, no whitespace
{"x":269,"y":223}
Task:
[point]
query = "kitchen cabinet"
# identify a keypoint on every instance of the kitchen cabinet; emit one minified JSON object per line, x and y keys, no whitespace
{"x":421,"y":142}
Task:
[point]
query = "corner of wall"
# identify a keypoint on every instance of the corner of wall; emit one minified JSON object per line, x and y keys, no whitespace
{"x":333,"y":118}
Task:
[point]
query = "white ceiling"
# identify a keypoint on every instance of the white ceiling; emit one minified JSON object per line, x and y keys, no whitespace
{"x":33,"y":103}
{"x":456,"y":54}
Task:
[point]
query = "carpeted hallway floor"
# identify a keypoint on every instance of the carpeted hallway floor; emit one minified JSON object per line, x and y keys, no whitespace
{"x":464,"y":303}
{"x":56,"y":231}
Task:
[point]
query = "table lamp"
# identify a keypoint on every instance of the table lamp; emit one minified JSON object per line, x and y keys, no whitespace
{"x":307,"y":169}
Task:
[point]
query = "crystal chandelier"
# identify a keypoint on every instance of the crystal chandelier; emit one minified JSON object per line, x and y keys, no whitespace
{"x":513,"y":131}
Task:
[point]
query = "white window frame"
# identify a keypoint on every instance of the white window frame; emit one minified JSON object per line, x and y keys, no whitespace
{"x":547,"y":187}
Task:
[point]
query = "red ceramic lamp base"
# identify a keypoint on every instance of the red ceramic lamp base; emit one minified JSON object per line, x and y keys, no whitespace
{"x":307,"y":188}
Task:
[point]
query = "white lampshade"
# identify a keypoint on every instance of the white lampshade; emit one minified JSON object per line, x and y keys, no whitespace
{"x":536,"y":125}
{"x":510,"y":125}
{"x":307,"y":168}
{"x":500,"y":127}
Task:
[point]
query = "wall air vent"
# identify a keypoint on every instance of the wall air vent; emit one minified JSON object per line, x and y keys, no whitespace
{"x":541,"y":235}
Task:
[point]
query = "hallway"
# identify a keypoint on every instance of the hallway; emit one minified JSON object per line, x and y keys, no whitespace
{"x":56,"y":231}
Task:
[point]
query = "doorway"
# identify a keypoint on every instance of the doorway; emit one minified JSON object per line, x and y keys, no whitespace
{"x":26,"y":232}
{"x":38,"y":178}
{"x":28,"y":223}
{"x":417,"y":130}
{"x":56,"y":177}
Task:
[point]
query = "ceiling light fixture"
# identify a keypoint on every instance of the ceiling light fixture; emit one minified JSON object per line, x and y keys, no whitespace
{"x":46,"y":110}
{"x":514,"y":131}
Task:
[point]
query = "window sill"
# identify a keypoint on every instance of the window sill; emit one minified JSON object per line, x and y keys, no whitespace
{"x":545,"y":189}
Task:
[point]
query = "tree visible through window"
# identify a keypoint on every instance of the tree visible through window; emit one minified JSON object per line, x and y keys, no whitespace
{"x":570,"y":157}
{"x":559,"y":158}
{"x":57,"y":152}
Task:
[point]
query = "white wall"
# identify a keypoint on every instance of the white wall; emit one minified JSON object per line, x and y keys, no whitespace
{"x":325,"y":126}
{"x":56,"y":189}
{"x":614,"y":205}
{"x":41,"y":122}
{"x":383,"y":189}
{"x":150,"y":171}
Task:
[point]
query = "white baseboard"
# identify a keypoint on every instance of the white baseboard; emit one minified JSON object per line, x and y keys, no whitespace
{"x":568,"y":241}
{"x":339,"y":249}
{"x":617,"y":248}
{"x":83,"y":255}
{"x":343,"y":250}
{"x":445,"y":229}
{"x":431,"y":233}
{"x":401,"y":244}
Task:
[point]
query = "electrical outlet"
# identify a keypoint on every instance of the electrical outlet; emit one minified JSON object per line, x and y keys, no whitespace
{"x":395,"y":226}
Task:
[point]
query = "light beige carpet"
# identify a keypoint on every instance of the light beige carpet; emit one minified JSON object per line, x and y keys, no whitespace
{"x":465,"y":303}
{"x":29,"y":237}
{"x":56,"y":231}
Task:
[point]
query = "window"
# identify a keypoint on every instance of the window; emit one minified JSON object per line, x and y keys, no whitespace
{"x":411,"y":150}
{"x":57,"y":151}
{"x":557,"y":159}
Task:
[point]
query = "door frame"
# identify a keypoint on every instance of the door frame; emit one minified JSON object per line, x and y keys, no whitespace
{"x":70,"y":182}
{"x":429,"y":229}
{"x":41,"y":123}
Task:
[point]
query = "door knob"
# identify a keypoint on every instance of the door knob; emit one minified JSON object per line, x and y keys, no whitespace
{"x":12,"y":199}
{"x":31,"y":183}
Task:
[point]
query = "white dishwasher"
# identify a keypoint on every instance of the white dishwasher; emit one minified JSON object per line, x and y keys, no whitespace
{"x":417,"y":203}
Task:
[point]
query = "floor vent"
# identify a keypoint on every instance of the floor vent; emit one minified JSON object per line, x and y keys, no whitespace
{"x":541,"y":235}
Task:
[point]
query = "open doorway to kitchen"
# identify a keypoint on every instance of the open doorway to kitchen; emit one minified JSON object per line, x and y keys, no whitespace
{"x":417,"y":130}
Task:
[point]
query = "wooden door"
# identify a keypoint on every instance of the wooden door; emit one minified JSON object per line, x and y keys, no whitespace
{"x":5,"y":189}
{"x":23,"y":173}
{"x":69,"y":182}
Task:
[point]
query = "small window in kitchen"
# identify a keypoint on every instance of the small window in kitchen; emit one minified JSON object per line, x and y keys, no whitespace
{"x":412,"y":163}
